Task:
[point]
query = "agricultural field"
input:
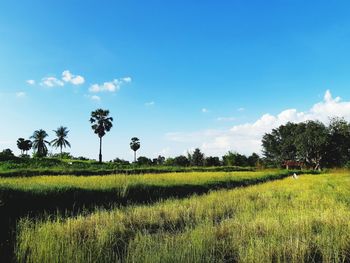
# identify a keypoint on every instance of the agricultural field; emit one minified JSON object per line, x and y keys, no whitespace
{"x":36,"y":197}
{"x":287,"y":220}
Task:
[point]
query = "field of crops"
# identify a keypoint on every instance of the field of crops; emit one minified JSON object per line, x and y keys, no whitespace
{"x":38,"y":196}
{"x":64,"y":192}
{"x":289,"y":220}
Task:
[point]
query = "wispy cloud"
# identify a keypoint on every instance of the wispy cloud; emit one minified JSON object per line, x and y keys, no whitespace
{"x":226,"y":119}
{"x":67,"y":76}
{"x":205,"y":110}
{"x":30,"y":82}
{"x":94,"y":98}
{"x":149,"y":104}
{"x":20,"y":94}
{"x":241,"y":109}
{"x":110,"y":86}
{"x":51,"y":82}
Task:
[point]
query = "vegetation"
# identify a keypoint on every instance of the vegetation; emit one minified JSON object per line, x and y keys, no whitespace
{"x":304,"y":220}
{"x":39,"y":143}
{"x":310,"y":143}
{"x":101,"y":124}
{"x":61,"y":141}
{"x":65,"y":192}
{"x":24,"y":145}
{"x":135,"y":145}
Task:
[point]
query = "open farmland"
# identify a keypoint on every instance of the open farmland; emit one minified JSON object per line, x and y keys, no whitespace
{"x":303,"y":220}
{"x":71,"y":195}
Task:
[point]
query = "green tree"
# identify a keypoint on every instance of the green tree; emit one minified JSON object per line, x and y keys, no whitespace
{"x":312,"y":143}
{"x":39,"y":142}
{"x":253,"y":160}
{"x":212,"y":161}
{"x":101,"y":124}
{"x":135,"y":145}
{"x":279,"y":145}
{"x":235,"y":159}
{"x":61,"y":141}
{"x":142,"y":160}
{"x":196,"y":158}
{"x":181,"y":161}
{"x":338,"y":146}
{"x":24,"y":145}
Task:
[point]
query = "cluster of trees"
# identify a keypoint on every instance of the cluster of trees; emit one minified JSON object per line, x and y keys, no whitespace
{"x":197,"y":158}
{"x":101,"y":123}
{"x":309,"y":144}
{"x":39,"y":143}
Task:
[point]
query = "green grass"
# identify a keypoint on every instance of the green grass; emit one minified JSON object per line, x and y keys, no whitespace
{"x":304,"y":220}
{"x":41,"y":193}
{"x":53,"y":166}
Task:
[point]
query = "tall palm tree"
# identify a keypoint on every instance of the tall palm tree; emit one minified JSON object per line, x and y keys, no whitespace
{"x":39,"y":142}
{"x":24,"y":145}
{"x":101,"y":124}
{"x":60,"y":141}
{"x":135,"y":145}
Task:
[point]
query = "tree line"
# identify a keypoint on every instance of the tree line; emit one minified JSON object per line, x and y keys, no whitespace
{"x":310,"y":144}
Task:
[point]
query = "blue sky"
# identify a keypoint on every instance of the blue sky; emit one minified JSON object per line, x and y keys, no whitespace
{"x":178,"y":74}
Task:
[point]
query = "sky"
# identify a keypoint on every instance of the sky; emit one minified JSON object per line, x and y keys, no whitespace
{"x":176,"y":74}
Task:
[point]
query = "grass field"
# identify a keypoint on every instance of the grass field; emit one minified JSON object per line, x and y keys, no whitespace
{"x":64,"y":192}
{"x":38,"y":196}
{"x":304,"y":220}
{"x":20,"y":167}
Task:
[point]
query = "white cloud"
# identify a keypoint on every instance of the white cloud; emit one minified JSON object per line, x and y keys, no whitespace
{"x":126,"y":79}
{"x":241,"y":109}
{"x":20,"y":94}
{"x":246,"y":138}
{"x":95,"y":98}
{"x":30,"y":81}
{"x":110,"y":86}
{"x":67,"y":76}
{"x":205,"y":110}
{"x":51,"y":82}
{"x":148,"y":104}
{"x":226,"y":119}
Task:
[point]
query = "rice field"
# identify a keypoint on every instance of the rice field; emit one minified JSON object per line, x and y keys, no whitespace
{"x":65,"y":192}
{"x":289,"y":220}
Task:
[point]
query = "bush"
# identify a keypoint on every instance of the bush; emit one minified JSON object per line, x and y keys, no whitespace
{"x":7,"y":155}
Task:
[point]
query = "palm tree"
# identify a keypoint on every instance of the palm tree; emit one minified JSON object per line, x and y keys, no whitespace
{"x":60,"y":141}
{"x":27,"y":145}
{"x":39,"y":142}
{"x":101,"y":124}
{"x":20,"y":144}
{"x":135,"y":145}
{"x":24,"y":145}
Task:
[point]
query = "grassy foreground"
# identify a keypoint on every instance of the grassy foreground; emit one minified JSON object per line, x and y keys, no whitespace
{"x":303,"y":220}
{"x":65,"y":192}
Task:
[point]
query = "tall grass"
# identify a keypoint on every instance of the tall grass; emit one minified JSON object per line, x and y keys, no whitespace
{"x":304,"y":220}
{"x":53,"y":166}
{"x":67,"y":192}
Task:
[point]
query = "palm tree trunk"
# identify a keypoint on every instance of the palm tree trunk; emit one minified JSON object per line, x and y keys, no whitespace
{"x":61,"y":151}
{"x":134,"y":156}
{"x":100,"y":155}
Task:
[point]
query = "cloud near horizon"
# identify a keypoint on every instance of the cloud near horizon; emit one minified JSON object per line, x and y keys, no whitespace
{"x":246,"y":138}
